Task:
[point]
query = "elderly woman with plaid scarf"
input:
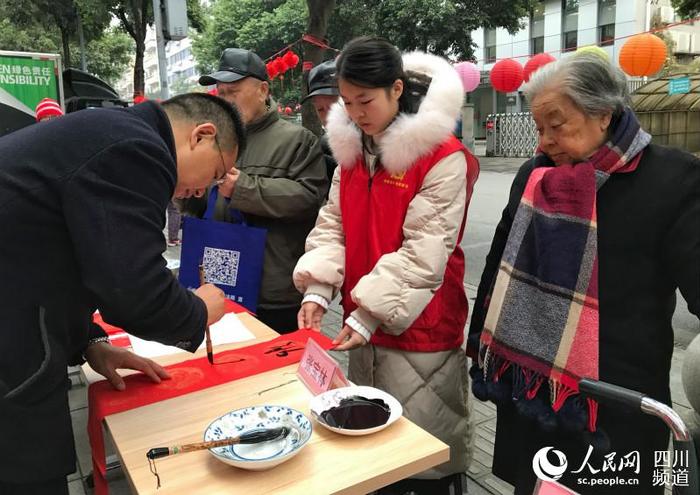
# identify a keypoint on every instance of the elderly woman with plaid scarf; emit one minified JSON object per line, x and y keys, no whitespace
{"x":600,"y":230}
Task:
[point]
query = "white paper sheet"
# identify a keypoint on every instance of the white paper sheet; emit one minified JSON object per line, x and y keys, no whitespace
{"x":227,"y":330}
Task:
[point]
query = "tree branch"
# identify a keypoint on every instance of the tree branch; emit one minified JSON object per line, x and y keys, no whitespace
{"x":121,"y":15}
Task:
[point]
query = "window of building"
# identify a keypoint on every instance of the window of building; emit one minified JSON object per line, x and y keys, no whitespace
{"x":569,"y":24}
{"x":606,"y":35}
{"x":180,"y":56}
{"x":537,"y":45}
{"x":571,"y":40}
{"x":489,"y":46}
{"x":537,"y":29}
{"x":606,"y":22}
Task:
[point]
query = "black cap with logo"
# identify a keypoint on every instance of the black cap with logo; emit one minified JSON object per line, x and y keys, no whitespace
{"x":234,"y":65}
{"x":323,"y":80}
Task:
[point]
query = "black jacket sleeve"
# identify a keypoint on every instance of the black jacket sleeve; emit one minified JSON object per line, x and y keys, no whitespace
{"x":115,"y":206}
{"x":494,"y":258}
{"x":682,"y":243}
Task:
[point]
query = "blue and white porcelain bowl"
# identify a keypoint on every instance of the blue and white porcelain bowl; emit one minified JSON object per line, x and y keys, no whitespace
{"x":265,"y":455}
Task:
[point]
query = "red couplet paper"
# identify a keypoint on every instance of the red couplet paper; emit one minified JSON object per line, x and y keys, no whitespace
{"x":319,"y":371}
{"x":186,"y":377}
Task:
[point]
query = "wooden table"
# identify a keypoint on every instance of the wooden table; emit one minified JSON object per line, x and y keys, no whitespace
{"x":328,"y":463}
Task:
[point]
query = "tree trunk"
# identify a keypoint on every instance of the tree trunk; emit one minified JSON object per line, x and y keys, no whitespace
{"x":66,"y":47}
{"x":319,"y":13}
{"x":81,"y":39}
{"x":139,"y":79}
{"x":139,"y":14}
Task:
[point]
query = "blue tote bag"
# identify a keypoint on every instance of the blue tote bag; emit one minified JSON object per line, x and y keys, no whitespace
{"x":232,"y":255}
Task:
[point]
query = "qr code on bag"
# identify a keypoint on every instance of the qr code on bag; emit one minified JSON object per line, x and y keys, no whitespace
{"x":221,"y":266}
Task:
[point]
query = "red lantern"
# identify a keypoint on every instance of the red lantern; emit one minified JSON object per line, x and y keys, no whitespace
{"x":291,"y":59}
{"x":271,"y":72}
{"x":213,"y":92}
{"x":506,"y":75}
{"x":536,"y":62}
{"x":283,"y":63}
{"x":279,"y":65}
{"x":288,"y":110}
{"x":279,"y":108}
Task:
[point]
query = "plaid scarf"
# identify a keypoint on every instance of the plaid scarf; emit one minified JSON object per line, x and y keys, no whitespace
{"x":542,"y":319}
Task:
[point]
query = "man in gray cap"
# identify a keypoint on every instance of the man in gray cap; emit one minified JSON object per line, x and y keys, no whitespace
{"x":279,"y":182}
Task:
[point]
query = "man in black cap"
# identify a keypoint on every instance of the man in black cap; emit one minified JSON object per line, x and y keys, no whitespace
{"x":323,"y":89}
{"x":323,"y":93}
{"x":279,"y":182}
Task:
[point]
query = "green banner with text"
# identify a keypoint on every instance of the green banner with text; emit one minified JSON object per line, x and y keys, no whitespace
{"x":29,"y":79}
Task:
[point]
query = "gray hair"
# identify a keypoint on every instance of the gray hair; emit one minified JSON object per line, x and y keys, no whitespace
{"x":591,"y":81}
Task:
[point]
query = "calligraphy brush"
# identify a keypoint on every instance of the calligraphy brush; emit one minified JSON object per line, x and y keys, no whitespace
{"x":210,"y":352}
{"x":255,"y":436}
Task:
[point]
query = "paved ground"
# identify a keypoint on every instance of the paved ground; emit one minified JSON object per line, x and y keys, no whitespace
{"x":484,"y":212}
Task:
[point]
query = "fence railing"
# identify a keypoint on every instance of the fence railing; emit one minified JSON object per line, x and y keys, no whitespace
{"x":511,"y":135}
{"x":515,"y":134}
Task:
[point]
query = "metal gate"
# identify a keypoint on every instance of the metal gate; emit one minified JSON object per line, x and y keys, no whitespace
{"x":511,"y":135}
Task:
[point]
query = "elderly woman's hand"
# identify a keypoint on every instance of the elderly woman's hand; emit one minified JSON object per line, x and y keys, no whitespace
{"x":353,"y":341}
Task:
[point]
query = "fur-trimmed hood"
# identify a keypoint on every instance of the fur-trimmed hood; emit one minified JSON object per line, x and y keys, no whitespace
{"x":410,"y":135}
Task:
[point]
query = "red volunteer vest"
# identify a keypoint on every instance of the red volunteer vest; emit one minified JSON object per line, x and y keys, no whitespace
{"x":373,"y":213}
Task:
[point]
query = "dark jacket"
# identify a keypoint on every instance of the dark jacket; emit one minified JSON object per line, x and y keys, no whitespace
{"x":648,"y":245}
{"x":82,"y":209}
{"x":331,"y":163}
{"x":281,"y":187}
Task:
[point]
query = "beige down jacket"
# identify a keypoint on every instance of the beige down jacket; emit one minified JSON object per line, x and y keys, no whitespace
{"x":431,"y":386}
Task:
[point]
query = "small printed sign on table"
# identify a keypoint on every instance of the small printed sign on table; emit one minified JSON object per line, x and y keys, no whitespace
{"x":551,"y":488}
{"x":319,"y":371}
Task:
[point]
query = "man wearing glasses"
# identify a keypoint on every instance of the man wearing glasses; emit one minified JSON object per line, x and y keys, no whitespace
{"x":279,"y":183}
{"x":82,"y":209}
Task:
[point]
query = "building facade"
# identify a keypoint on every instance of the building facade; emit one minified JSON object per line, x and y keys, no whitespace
{"x":559,"y":27}
{"x":182,"y":74}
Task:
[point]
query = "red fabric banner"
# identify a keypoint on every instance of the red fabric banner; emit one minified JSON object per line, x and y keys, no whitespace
{"x":188,"y":376}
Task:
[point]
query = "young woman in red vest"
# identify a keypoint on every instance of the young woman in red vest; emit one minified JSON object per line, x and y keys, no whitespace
{"x":388,"y":239}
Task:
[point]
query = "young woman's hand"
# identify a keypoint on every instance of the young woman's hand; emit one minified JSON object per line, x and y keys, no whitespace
{"x":310,"y":315}
{"x":348,"y":339}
